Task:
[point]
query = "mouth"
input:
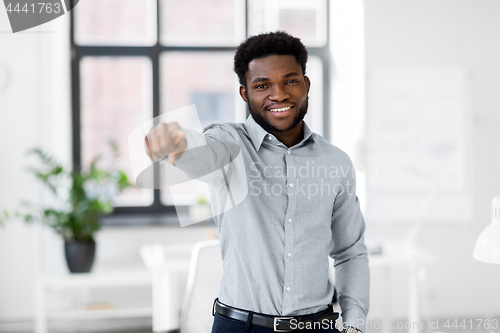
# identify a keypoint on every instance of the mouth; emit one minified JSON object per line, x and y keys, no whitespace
{"x":280,"y":111}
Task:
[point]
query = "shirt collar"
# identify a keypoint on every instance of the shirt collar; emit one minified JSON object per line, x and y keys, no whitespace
{"x":257,"y":133}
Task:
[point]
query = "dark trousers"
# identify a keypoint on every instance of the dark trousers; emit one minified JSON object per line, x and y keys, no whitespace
{"x":228,"y":325}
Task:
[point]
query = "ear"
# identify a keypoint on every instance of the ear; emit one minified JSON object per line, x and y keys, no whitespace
{"x":308,"y":83}
{"x":243,"y":93}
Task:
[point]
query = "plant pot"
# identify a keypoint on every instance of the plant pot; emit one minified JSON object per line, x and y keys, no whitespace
{"x":79,"y":256}
{"x":199,"y":213}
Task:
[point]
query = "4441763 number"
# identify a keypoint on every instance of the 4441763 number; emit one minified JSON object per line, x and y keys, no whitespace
{"x":40,"y":7}
{"x":473,"y":324}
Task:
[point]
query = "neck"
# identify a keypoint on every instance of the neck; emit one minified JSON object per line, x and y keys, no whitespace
{"x":291,"y":137}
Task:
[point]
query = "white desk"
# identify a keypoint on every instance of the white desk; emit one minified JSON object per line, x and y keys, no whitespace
{"x":168,"y":266}
{"x":415,"y":261}
{"x":167,"y":296}
{"x":169,"y":285}
{"x":106,"y":279}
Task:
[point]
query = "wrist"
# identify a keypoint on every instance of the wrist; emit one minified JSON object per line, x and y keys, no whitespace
{"x":351,"y":329}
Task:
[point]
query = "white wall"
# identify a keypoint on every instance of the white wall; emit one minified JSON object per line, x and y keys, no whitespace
{"x":18,"y":131}
{"x":460,"y":33}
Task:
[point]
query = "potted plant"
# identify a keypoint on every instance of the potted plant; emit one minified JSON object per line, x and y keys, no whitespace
{"x":201,"y":210}
{"x":82,"y":198}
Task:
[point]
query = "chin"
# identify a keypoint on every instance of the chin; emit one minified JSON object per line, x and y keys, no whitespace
{"x":281,"y":125}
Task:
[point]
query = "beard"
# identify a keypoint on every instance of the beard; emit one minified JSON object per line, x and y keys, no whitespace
{"x":265,"y":124}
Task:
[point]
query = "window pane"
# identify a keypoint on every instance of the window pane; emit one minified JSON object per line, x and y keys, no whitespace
{"x":303,"y":19}
{"x":202,"y":78}
{"x":115,"y":99}
{"x":205,"y":79}
{"x":314,"y":116}
{"x":115,"y":22}
{"x":202,"y":23}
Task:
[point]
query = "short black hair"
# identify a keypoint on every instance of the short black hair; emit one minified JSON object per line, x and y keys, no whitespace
{"x":263,"y":45}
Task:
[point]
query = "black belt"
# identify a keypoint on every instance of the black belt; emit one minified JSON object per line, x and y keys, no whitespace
{"x":278,"y":324}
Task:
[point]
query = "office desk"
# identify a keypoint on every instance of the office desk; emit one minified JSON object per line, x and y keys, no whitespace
{"x":167,"y":293}
{"x":415,"y":260}
{"x":97,"y":279}
{"x":168,"y":265}
{"x":169,"y":284}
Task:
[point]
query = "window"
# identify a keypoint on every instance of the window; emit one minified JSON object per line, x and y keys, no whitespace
{"x":133,"y":60}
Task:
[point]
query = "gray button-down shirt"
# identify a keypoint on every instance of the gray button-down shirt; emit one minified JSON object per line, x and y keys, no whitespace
{"x":301,"y":207}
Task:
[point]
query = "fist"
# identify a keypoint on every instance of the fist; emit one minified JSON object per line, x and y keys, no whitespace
{"x":165,"y":140}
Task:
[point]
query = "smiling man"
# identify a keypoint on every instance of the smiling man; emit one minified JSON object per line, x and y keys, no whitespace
{"x":301,"y":208}
{"x":275,"y":89}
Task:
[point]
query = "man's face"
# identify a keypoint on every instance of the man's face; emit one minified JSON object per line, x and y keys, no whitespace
{"x":276,"y":92}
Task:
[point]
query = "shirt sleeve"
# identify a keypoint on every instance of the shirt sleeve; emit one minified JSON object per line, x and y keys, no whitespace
{"x":208,"y":152}
{"x":215,"y":158}
{"x":352,"y":274}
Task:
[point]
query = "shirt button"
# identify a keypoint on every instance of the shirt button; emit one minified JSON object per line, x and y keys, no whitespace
{"x":288,"y":288}
{"x":270,"y":137}
{"x":291,"y":184}
{"x":290,"y":220}
{"x":289,"y":254}
{"x":288,"y":151}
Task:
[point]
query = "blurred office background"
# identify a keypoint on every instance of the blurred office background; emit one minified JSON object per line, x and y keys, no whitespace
{"x":408,"y":88}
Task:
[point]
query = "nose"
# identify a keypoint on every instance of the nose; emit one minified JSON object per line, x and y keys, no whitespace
{"x":279,"y":93}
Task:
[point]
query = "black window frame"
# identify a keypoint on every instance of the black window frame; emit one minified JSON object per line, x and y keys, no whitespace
{"x":158,"y":213}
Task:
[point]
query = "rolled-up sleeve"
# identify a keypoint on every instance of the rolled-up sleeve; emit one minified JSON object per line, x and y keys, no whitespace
{"x":352,"y":274}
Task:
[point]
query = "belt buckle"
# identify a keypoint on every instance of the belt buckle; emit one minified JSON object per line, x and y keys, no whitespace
{"x":276,"y":324}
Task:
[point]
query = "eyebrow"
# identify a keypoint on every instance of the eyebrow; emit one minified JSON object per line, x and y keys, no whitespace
{"x":263,"y":79}
{"x":291,"y":74}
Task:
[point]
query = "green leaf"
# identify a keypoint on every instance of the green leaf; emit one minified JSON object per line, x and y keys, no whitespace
{"x":122,"y":181}
{"x":81,"y":220}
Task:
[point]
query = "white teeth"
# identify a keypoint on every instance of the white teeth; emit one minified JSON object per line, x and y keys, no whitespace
{"x":280,"y":110}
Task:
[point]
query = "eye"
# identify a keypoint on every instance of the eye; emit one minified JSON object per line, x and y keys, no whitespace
{"x":261,"y":87}
{"x":292,"y":81}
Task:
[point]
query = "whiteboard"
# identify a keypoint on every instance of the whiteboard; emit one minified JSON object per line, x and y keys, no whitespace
{"x":418,"y":139}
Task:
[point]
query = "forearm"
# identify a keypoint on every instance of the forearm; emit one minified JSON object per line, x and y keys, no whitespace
{"x":206,"y":153}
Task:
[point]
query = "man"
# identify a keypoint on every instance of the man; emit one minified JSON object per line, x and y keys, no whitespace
{"x":301,"y":206}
